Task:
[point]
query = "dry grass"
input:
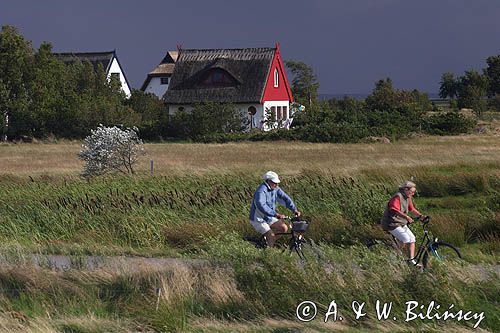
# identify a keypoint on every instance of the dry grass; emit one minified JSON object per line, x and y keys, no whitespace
{"x":16,"y":322}
{"x":211,"y":283}
{"x":40,"y":158}
{"x":317,"y":326}
{"x":285,"y":157}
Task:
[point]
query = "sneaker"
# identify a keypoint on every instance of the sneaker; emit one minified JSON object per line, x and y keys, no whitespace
{"x":416,"y":264}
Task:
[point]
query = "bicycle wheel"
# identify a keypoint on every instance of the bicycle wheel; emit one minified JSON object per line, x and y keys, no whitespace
{"x":258,"y":242}
{"x":307,"y":249}
{"x":440,"y":251}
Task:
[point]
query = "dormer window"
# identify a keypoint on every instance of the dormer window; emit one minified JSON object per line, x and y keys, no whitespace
{"x":276,"y":78}
{"x":217,"y":77}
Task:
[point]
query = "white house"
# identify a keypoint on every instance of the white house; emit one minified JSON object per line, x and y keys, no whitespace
{"x":253,"y":79}
{"x":108,"y":60}
{"x":158,"y":79}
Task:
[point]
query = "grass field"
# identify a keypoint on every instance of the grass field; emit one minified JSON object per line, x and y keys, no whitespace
{"x":196,"y":205}
{"x":288,"y":157}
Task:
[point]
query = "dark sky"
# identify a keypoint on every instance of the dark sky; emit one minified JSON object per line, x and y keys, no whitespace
{"x":350,"y":44}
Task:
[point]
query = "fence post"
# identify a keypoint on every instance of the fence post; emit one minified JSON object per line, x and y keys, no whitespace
{"x":158,"y":294}
{"x":152,"y":167}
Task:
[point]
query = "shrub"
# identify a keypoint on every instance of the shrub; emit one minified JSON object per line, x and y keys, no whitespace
{"x":448,"y":123}
{"x":109,"y":149}
{"x":207,"y":119}
{"x":494,"y":103}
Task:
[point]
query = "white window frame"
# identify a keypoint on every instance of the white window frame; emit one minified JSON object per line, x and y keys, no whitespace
{"x":276,"y":78}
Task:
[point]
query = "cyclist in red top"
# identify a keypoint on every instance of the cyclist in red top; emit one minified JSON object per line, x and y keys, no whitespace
{"x":396,"y":217}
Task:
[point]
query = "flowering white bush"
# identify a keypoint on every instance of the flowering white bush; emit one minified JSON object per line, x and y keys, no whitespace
{"x":110,"y":149}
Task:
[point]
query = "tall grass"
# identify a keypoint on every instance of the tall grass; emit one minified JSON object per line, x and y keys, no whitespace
{"x":239,"y":283}
{"x":200,"y":209}
{"x":183,"y":212}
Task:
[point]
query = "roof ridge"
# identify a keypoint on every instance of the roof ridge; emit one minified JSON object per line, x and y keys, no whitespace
{"x":231,"y":49}
{"x":102,"y":52}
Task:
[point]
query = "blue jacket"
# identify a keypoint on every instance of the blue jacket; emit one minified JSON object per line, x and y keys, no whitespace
{"x":264,"y":202}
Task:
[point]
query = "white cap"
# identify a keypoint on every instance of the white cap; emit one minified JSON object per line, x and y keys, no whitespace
{"x":272,"y":176}
{"x":408,"y":184}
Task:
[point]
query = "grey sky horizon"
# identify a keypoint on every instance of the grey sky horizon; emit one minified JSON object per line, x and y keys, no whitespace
{"x":349,"y":44}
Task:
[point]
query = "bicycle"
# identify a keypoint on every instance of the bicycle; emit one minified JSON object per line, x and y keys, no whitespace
{"x":430,"y":247}
{"x":297,"y":243}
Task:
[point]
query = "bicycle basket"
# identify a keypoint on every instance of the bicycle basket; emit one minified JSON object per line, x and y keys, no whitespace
{"x":300,"y":226}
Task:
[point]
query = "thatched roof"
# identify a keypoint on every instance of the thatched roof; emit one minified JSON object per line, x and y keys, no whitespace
{"x":170,"y":57}
{"x":162,"y":69}
{"x":165,"y":68}
{"x":95,"y":58}
{"x":247,"y":68}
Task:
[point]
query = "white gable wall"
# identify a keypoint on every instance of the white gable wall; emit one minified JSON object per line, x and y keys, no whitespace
{"x":115,"y":68}
{"x":155,"y":87}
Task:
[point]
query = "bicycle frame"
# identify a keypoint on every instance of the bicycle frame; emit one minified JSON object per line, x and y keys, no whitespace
{"x":428,"y":243}
{"x":425,"y":244}
{"x":295,"y":241}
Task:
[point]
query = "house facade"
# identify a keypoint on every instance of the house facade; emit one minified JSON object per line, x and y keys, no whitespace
{"x":158,"y":79}
{"x":108,"y":60}
{"x":253,"y":79}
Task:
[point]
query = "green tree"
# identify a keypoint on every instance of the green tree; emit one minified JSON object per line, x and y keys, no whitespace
{"x":95,"y":100}
{"x":393,"y":112}
{"x":304,"y":83}
{"x":493,"y":74}
{"x":153,"y":113}
{"x":472,"y":90}
{"x":16,"y":60}
{"x":384,"y":97}
{"x":207,"y":119}
{"x":110,"y":102}
{"x":47,"y":91}
{"x":448,"y":86}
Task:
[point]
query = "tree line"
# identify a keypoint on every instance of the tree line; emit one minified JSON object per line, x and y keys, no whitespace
{"x":41,"y":97}
{"x":474,"y":90}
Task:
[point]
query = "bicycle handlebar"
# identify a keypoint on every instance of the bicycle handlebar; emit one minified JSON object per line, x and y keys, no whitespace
{"x":297,"y":223}
{"x":293,"y":218}
{"x":423,"y":218}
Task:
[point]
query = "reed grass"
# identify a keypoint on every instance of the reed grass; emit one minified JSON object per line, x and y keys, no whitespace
{"x":196,"y":205}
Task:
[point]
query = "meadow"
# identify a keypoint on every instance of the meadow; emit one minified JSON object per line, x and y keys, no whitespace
{"x":195,"y":207}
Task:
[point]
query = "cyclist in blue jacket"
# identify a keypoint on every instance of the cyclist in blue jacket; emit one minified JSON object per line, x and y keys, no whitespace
{"x":263,"y":215}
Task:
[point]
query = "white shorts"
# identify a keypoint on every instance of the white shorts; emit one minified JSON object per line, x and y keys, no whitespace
{"x":262,"y":226}
{"x":403,"y":234}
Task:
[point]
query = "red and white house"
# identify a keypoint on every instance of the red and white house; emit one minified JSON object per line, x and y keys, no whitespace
{"x":253,"y":79}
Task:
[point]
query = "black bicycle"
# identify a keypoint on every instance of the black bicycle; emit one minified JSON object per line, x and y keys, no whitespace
{"x":297,"y":243}
{"x":429,"y":248}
